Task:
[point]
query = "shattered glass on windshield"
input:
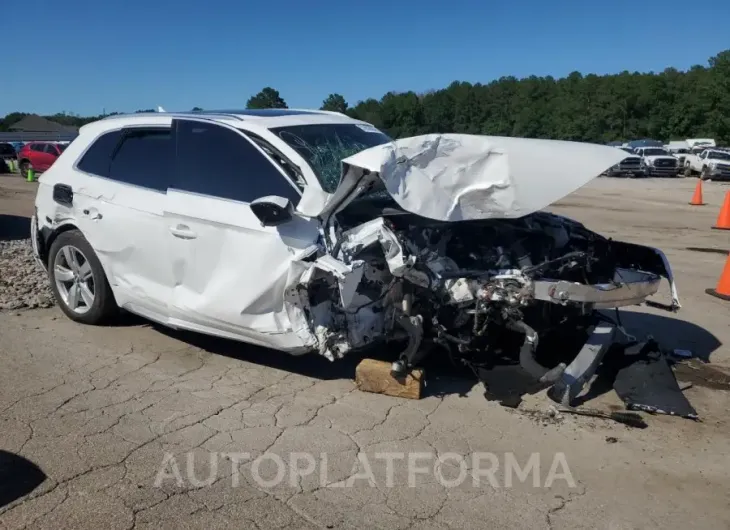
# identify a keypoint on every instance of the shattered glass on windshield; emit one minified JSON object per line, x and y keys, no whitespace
{"x":323,"y":146}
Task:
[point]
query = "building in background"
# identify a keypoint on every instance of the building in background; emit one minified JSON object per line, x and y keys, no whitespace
{"x":38,"y":128}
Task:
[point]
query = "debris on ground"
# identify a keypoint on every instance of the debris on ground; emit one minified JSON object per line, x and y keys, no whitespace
{"x":645,"y":381}
{"x":630,"y":419}
{"x":543,"y":416}
{"x":23,"y":283}
{"x":639,"y":371}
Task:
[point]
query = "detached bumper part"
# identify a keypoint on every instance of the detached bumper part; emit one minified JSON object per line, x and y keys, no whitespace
{"x":630,"y":287}
{"x":580,"y":371}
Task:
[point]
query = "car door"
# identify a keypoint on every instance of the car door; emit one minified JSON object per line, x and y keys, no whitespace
{"x":50,"y":152}
{"x":230,"y":272}
{"x":38,"y":157}
{"x":120,"y":211}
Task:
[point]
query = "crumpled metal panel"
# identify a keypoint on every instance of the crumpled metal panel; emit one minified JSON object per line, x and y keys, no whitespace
{"x":454,"y":177}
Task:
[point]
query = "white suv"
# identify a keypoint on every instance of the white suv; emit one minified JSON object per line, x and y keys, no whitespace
{"x":311,"y":231}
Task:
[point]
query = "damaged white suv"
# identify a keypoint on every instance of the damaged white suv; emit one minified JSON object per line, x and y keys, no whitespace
{"x":311,"y":231}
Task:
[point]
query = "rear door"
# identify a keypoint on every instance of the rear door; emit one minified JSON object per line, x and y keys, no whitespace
{"x":230,"y":272}
{"x":121,"y":214}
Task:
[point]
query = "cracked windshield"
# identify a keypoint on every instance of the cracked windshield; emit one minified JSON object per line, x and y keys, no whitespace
{"x":323,"y":146}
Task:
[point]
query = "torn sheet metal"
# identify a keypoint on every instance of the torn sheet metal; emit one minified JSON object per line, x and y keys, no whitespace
{"x":455,"y":177}
{"x":647,"y":383}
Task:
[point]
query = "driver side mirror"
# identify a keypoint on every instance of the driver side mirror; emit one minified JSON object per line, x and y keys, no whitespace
{"x":272,"y":210}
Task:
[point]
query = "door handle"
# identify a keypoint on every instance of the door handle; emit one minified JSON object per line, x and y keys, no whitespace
{"x":183,"y":232}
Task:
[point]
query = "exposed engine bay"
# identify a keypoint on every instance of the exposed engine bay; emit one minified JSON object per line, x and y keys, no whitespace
{"x":442,"y":241}
{"x":477,"y":288}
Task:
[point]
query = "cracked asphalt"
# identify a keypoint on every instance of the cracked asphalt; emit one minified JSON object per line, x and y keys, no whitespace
{"x":110,"y":418}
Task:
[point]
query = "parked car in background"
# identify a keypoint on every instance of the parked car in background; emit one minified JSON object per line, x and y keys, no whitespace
{"x":697,"y":142}
{"x":712,"y":163}
{"x":657,"y":162}
{"x":17,"y":146}
{"x":38,"y":156}
{"x":678,"y":148}
{"x":7,"y":152}
{"x":628,"y":167}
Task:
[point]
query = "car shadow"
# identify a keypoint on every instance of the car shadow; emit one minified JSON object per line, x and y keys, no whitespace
{"x":504,"y":380}
{"x":672,"y":333}
{"x":14,"y":227}
{"x":443,"y":377}
{"x":310,"y":365}
{"x":18,"y":477}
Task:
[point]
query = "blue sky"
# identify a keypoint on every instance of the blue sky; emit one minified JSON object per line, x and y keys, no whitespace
{"x":85,"y":56}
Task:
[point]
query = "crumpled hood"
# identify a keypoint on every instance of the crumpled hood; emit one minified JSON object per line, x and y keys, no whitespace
{"x":454,"y":177}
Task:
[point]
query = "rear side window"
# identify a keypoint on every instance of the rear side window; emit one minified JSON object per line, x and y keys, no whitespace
{"x":98,"y":157}
{"x":50,"y":149}
{"x":212,"y":160}
{"x":37,"y":147}
{"x":144,"y":158}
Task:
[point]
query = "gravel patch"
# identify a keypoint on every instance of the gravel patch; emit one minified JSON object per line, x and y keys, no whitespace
{"x":23,"y":283}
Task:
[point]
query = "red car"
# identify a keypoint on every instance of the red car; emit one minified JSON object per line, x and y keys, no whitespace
{"x":38,"y":156}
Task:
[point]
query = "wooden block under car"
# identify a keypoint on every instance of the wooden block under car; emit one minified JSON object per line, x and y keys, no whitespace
{"x":374,"y":376}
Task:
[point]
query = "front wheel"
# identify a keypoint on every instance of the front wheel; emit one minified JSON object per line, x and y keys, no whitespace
{"x":78,"y":281}
{"x":705,"y":175}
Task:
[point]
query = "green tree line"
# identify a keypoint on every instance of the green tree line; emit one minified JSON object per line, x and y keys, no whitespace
{"x":671,"y":104}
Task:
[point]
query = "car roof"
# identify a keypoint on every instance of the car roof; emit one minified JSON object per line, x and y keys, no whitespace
{"x":266,"y":118}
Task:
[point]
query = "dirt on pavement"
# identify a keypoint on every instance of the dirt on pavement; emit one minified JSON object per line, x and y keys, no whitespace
{"x":98,"y":423}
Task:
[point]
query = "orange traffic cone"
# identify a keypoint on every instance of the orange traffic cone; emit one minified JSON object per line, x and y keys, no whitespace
{"x":697,"y":197}
{"x":722,"y":291}
{"x":723,"y":220}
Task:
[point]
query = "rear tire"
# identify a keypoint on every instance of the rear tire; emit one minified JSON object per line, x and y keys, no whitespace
{"x":78,"y":281}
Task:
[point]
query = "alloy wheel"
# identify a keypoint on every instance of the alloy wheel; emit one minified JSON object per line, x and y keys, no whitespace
{"x":74,"y":279}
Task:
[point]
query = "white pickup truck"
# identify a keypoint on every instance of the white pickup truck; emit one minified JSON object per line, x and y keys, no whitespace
{"x":710,"y":162}
{"x":678,"y":148}
{"x":657,"y":162}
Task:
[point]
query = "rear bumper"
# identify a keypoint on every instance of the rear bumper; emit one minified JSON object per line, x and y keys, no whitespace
{"x":36,"y":240}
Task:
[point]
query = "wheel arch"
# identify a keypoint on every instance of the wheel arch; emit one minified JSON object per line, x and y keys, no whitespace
{"x":47,"y":240}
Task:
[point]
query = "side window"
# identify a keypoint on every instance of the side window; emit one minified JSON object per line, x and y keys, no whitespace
{"x":97,"y":158}
{"x":144,"y":158}
{"x":50,"y":149}
{"x":213,"y":160}
{"x":36,"y":147}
